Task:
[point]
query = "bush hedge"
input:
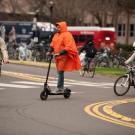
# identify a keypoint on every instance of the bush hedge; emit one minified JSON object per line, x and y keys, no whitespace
{"x":125,"y":47}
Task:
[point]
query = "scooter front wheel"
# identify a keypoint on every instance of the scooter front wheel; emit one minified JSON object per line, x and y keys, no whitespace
{"x":44,"y":95}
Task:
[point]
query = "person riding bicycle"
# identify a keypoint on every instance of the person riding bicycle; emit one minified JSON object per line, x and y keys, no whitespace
{"x":90,"y":51}
{"x":132,"y":57}
{"x":3,"y":51}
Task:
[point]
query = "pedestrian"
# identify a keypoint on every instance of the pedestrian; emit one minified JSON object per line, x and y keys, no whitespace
{"x":2,"y":31}
{"x":12,"y":44}
{"x":35,"y":32}
{"x":22,"y":52}
{"x":66,"y":54}
{"x":3,"y":51}
{"x":12,"y":35}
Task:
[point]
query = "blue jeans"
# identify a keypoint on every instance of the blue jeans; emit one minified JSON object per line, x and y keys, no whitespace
{"x":60,"y":83}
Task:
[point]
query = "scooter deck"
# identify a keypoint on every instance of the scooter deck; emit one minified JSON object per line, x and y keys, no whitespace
{"x":61,"y":93}
{"x":45,"y":93}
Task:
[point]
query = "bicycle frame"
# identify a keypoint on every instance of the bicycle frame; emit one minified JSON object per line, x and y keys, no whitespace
{"x":130,"y":77}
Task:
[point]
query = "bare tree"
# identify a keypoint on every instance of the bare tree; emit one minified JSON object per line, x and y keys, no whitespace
{"x":68,"y":10}
{"x":14,"y":6}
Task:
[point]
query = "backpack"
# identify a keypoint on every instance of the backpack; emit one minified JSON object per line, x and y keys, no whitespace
{"x":91,"y":51}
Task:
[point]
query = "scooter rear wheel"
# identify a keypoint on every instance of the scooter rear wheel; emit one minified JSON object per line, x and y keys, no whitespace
{"x":44,"y":94}
{"x":67,"y":93}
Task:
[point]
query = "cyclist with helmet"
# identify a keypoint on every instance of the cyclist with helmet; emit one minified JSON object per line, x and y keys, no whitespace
{"x":132,"y":57}
{"x":90,"y":51}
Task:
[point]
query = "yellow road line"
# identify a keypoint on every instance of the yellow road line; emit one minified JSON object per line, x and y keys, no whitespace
{"x":32,"y":77}
{"x":93,"y":110}
{"x":108,"y":110}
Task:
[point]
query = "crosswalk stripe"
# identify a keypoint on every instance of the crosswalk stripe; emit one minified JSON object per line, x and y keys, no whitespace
{"x":35,"y":83}
{"x":27,"y":82}
{"x":53,"y":81}
{"x":16,"y":86}
{"x":86,"y":83}
{"x":32,"y":84}
{"x":107,"y":87}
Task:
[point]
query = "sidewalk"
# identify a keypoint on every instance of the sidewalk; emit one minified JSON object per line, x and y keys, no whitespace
{"x":32,"y":63}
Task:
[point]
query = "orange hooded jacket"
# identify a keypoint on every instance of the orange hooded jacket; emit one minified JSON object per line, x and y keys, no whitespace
{"x":64,"y":41}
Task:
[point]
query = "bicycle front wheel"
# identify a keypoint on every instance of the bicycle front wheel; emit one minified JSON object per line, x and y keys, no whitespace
{"x":122,"y":85}
{"x":82,"y":71}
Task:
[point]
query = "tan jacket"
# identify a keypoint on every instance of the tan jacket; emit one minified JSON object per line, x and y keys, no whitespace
{"x":130,"y":59}
{"x":3,"y":50}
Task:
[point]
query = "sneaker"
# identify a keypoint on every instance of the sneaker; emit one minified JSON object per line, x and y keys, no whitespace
{"x":58,"y":90}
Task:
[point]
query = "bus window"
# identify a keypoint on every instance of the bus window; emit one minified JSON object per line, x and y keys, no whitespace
{"x":75,"y":38}
{"x":82,"y":38}
{"x":89,"y":37}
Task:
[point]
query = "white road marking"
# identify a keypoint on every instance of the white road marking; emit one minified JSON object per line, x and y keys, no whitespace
{"x":1,"y":88}
{"x":35,"y":83}
{"x":91,"y":84}
{"x":28,"y":82}
{"x":68,"y":83}
{"x":107,"y":87}
{"x":16,"y":86}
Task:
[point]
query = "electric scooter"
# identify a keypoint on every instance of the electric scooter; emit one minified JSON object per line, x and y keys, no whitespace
{"x":47,"y":90}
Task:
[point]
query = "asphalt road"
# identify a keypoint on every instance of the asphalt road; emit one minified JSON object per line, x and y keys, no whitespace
{"x":92,"y":108}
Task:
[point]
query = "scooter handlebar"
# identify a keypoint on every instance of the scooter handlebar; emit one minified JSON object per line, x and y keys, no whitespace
{"x":57,"y":54}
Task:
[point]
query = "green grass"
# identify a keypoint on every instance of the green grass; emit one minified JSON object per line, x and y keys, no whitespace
{"x":99,"y":70}
{"x":110,"y":71}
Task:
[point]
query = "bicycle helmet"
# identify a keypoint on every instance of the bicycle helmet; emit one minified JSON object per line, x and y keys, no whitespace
{"x":134,"y":45}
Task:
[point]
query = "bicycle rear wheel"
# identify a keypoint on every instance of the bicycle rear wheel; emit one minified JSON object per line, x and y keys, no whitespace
{"x":121,"y":85}
{"x":91,"y":69}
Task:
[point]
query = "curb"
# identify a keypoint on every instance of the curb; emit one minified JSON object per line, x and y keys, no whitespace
{"x":32,"y":63}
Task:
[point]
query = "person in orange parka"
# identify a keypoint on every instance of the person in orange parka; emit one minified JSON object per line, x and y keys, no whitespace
{"x":66,"y":54}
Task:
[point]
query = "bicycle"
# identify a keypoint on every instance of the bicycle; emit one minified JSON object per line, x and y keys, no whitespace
{"x":118,"y":59}
{"x":123,"y":83}
{"x":88,"y":68}
{"x":103,"y":59}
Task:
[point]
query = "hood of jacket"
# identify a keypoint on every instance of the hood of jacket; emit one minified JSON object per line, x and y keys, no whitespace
{"x":63,"y":26}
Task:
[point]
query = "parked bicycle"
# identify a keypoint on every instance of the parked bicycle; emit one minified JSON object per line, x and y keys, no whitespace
{"x":103,"y":59}
{"x":118,"y":59}
{"x":89,"y":68}
{"x":123,"y":83}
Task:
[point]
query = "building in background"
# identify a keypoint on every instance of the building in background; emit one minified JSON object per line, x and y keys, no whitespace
{"x":25,"y":11}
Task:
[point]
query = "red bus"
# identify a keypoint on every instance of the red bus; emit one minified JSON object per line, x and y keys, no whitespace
{"x":99,"y":35}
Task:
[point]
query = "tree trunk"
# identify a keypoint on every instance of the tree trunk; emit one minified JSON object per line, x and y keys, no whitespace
{"x":104,"y":21}
{"x":127,"y":29}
